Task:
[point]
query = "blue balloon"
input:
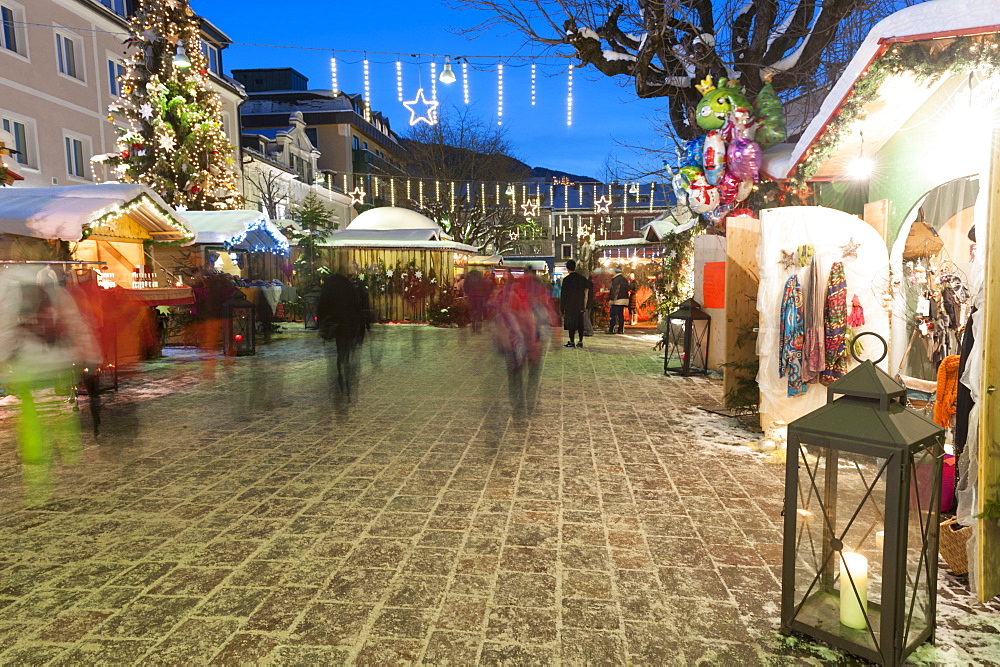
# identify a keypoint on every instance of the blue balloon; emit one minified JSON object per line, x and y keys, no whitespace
{"x":694,"y":151}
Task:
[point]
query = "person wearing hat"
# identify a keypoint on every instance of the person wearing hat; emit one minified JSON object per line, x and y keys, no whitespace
{"x":618,"y":298}
{"x":572,"y":303}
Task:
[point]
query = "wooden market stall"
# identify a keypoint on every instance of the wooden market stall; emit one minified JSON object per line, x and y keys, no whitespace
{"x":405,"y":258}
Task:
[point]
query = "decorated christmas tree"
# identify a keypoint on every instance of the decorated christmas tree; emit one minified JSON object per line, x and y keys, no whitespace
{"x":168,"y":118}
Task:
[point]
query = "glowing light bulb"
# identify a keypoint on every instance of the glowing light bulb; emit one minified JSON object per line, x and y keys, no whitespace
{"x":861,"y":168}
{"x":447,"y":75}
{"x":181,"y":59}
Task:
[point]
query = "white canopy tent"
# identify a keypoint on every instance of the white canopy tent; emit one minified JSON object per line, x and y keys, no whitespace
{"x":249,"y":230}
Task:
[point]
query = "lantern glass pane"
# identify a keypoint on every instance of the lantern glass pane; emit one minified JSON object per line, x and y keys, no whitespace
{"x":675,"y":342}
{"x":841,"y":509}
{"x":921,"y":543}
{"x":699,"y":344}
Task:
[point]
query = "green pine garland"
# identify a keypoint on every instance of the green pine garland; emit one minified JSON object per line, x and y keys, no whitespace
{"x":961,"y":56}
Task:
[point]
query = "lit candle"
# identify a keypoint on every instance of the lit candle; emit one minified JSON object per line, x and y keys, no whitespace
{"x":853,"y":607}
{"x":880,"y":540}
{"x":806,"y":517}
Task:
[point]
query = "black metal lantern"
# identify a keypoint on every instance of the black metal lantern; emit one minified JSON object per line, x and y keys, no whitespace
{"x":862,"y":489}
{"x":686,"y":340}
{"x":310,"y":301}
{"x":241,"y":326}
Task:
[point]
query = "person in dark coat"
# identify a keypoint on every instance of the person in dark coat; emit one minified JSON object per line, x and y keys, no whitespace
{"x":572,"y":303}
{"x":618,"y":299}
{"x":475,"y":292}
{"x":340,"y":316}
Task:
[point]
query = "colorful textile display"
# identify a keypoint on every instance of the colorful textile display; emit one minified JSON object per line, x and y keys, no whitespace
{"x":814,"y":300}
{"x":792,"y":336}
{"x":947,"y":390}
{"x":857,"y":316}
{"x":835,"y":315}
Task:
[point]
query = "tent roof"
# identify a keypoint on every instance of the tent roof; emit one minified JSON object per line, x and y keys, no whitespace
{"x":392,"y":217}
{"x":387,"y":242}
{"x":885,"y":115}
{"x":250,"y":230}
{"x":65,"y":212}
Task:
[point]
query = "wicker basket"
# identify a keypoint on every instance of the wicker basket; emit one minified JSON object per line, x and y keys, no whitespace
{"x":953,"y":538}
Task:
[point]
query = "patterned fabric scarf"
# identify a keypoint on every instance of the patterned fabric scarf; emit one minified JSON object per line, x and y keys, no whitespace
{"x":791,"y":337}
{"x":835,"y":315}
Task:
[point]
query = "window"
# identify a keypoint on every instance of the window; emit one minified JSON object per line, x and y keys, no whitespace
{"x":22,"y":130}
{"x":225,"y":124}
{"x":115,"y":70}
{"x":214,"y":56}
{"x":76,"y":165}
{"x":12,"y":33}
{"x":117,"y":6}
{"x":365,"y":144}
{"x":357,"y":143}
{"x":68,"y":52}
{"x":313,"y":136}
{"x":639,"y":223}
{"x":567,"y":251}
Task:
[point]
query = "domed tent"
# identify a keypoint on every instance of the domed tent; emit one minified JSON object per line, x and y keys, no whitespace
{"x":405,"y":259}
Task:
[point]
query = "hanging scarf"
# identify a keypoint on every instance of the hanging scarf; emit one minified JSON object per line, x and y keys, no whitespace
{"x":947,"y":390}
{"x":813,"y":300}
{"x":835,"y":314}
{"x":791,"y":337}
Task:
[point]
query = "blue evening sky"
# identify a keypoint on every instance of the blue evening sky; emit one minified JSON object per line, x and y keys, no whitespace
{"x":606,"y":113}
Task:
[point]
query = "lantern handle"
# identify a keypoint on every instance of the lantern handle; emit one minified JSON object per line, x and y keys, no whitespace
{"x":885,"y":346}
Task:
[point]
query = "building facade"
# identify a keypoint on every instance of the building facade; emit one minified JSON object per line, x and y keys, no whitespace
{"x":56,"y":84}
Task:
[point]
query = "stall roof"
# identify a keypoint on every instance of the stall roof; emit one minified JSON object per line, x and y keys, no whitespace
{"x":382,"y":241}
{"x":249,"y":230}
{"x":66,"y":212}
{"x":934,"y":19}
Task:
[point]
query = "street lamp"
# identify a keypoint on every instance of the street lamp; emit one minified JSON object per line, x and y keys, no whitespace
{"x":686,"y":340}
{"x":447,"y":75}
{"x":181,"y":60}
{"x":862,"y":488}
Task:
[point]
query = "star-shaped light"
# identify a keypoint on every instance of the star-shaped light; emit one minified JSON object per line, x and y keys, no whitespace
{"x":603,"y":205}
{"x":429,"y":114}
{"x":357,"y":195}
{"x":166,"y":142}
{"x":850,"y":248}
{"x":529,"y":209}
{"x":789,"y":259}
{"x":146,"y":110}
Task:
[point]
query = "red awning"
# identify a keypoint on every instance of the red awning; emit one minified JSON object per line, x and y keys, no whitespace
{"x":160,"y":296}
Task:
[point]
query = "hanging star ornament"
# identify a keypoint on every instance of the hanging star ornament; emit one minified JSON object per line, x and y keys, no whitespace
{"x":529,"y":209}
{"x":357,"y":195}
{"x":850,"y":248}
{"x":603,"y":205}
{"x":789,"y":259}
{"x":166,"y":142}
{"x":429,"y":114}
{"x":146,"y":110}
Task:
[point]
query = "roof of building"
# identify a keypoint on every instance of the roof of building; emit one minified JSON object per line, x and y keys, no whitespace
{"x":248,"y":230}
{"x":67,"y":212}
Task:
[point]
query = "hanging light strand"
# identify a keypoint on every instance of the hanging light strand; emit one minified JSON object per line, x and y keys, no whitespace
{"x":499,"y":93}
{"x":368,"y":93}
{"x":434,"y":81}
{"x":465,"y":81}
{"x":533,"y":77}
{"x":399,"y":80}
{"x":334,"y":85}
{"x":569,"y":96}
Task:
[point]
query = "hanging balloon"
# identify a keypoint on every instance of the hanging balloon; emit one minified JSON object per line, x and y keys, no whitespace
{"x":702,"y":197}
{"x":718,"y":214}
{"x":743,"y":158}
{"x":740,"y":124}
{"x":693,"y":151}
{"x":717,"y":101}
{"x":680,"y":185}
{"x":729,"y":188}
{"x":714,"y":159}
{"x":746,"y":187}
{"x":691,"y":174}
{"x":773,"y":129}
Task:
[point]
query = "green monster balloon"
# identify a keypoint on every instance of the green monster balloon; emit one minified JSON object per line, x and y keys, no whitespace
{"x":718,"y":101}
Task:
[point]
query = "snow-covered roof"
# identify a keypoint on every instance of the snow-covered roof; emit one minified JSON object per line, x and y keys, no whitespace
{"x":250,"y":230}
{"x":393,"y":218}
{"x":618,"y":243}
{"x":351,"y":234}
{"x":66,"y":212}
{"x":926,"y":20}
{"x":390,"y":243}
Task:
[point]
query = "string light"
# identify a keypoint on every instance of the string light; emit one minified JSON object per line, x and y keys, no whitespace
{"x":499,"y":93}
{"x":399,"y":80}
{"x":392,"y":191}
{"x":532,"y":84}
{"x":434,"y":81}
{"x":453,"y":194}
{"x":368,"y":96}
{"x":420,"y":192}
{"x":334,"y":86}
{"x":465,"y":81}
{"x":569,"y":96}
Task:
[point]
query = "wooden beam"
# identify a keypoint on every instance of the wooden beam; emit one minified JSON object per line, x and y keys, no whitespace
{"x":877,"y":215}
{"x":742,"y":280}
{"x":988,"y":530}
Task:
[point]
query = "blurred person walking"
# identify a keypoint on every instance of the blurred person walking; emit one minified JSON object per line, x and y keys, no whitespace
{"x":211,"y":295}
{"x":44,"y":342}
{"x":633,"y":308}
{"x":522,"y":326}
{"x":340,"y":313}
{"x":618,"y":299}
{"x":475,"y":292}
{"x":572,"y":302}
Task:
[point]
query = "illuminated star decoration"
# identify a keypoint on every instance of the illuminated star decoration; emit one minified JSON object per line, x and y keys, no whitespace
{"x":146,"y":111}
{"x":789,"y":259}
{"x":603,"y":205}
{"x":357,"y":195}
{"x":529,"y":209}
{"x":850,"y":248}
{"x":429,"y":114}
{"x":166,"y":142}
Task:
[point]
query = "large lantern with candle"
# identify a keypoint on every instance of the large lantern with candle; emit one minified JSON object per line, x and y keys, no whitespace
{"x":686,"y":340}
{"x":240,"y":326}
{"x":310,"y":301}
{"x":862,"y":488}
